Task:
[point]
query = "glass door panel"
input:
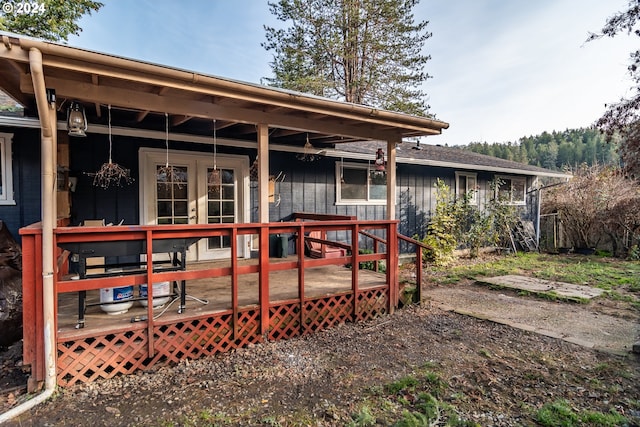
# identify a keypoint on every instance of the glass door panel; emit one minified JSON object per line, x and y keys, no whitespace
{"x":195,"y":192}
{"x":172,"y":195}
{"x":221,"y":203}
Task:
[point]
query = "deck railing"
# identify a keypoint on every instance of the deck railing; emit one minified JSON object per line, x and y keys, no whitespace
{"x":152,"y":341}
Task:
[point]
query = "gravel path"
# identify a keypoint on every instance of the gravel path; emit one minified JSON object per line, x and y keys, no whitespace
{"x":492,"y":374}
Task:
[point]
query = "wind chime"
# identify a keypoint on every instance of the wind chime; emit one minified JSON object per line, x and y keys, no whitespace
{"x":168,"y":174}
{"x":111,"y":173}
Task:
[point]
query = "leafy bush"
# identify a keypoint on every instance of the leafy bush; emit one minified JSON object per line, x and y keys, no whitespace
{"x":457,"y":223}
{"x":441,"y":232}
{"x":598,"y":207}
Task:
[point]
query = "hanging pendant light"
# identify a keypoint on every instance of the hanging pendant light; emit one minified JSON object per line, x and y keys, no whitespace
{"x":76,"y":119}
{"x":309,"y":153}
{"x":381,"y":165}
{"x":111,"y":173}
{"x":214,"y":176}
{"x":168,"y":174}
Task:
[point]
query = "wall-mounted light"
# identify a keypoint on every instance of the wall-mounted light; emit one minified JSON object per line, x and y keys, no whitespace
{"x":76,"y":119}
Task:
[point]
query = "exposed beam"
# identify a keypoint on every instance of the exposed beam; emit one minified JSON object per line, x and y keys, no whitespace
{"x":178,"y":120}
{"x":224,"y":125}
{"x":141,"y":115}
{"x":245,"y":130}
{"x":15,"y":92}
{"x":132,"y":99}
{"x":284,"y":132}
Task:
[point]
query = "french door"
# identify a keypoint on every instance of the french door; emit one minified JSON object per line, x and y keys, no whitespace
{"x":192,"y":191}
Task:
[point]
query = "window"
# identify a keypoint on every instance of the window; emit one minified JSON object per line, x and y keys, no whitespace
{"x":359,"y":184}
{"x":465,"y":183}
{"x":6,"y":175}
{"x":512,"y":190}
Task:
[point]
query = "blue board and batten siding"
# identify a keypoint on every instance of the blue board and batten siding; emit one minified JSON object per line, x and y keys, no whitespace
{"x":26,"y":176}
{"x":303,"y":186}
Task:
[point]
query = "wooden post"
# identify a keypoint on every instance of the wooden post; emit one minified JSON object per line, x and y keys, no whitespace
{"x":300,"y":250}
{"x":419,"y":273}
{"x":32,"y":330}
{"x":391,"y":178}
{"x":263,"y":173}
{"x":234,"y":280}
{"x":392,"y":231}
{"x":392,"y":265}
{"x":263,"y":280}
{"x":355,"y":265}
{"x":150,"y":323}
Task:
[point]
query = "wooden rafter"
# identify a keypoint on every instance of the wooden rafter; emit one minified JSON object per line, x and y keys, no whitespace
{"x":141,"y":115}
{"x":178,"y":120}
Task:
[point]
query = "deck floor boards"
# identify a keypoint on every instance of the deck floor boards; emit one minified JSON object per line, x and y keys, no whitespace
{"x":216,"y":292}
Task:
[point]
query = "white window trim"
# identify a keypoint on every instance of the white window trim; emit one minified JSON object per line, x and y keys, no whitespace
{"x":513,"y":179}
{"x":6,"y":157}
{"x":352,"y":202}
{"x":460,"y":192}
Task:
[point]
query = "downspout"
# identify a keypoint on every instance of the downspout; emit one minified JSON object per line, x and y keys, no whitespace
{"x":47,"y":139}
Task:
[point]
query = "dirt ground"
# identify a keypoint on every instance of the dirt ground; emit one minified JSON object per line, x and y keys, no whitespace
{"x":501,"y":356}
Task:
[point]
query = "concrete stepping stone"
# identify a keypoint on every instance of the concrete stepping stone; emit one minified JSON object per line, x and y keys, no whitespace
{"x":543,"y":287}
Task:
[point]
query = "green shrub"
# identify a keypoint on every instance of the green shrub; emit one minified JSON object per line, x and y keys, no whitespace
{"x":458,"y":223}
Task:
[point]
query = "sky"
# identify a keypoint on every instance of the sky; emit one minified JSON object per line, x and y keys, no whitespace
{"x":501,"y":69}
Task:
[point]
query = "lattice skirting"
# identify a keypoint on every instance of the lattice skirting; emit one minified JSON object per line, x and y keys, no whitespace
{"x":124,"y":352}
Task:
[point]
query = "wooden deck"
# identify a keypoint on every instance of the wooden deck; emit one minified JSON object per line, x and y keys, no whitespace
{"x":229,"y":304}
{"x":213,"y":295}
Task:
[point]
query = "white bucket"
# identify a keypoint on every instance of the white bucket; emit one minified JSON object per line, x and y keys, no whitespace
{"x":111,"y":295}
{"x":161,"y":294}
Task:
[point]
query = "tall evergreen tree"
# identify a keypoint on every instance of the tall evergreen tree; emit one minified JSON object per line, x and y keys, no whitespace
{"x":362,"y":51}
{"x":53,"y":20}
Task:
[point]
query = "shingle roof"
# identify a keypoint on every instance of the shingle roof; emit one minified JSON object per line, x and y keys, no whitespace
{"x":436,"y":155}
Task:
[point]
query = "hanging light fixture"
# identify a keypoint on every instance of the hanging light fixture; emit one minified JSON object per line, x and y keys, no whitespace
{"x":309,"y":153}
{"x":110,"y":172}
{"x":381,"y":165}
{"x":167,"y":174}
{"x":76,"y":119}
{"x":214,"y":177}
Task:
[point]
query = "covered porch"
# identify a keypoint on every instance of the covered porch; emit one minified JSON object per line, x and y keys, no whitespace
{"x":152,"y":104}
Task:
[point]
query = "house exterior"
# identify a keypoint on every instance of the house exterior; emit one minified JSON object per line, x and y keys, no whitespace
{"x":219,"y":165}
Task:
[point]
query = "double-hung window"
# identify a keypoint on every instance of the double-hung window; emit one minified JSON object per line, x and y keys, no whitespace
{"x":512,"y":190}
{"x":358,"y":184}
{"x":467,"y":184}
{"x":6,"y":176}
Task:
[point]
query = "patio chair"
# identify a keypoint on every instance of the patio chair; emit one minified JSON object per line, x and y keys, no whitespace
{"x":321,"y":250}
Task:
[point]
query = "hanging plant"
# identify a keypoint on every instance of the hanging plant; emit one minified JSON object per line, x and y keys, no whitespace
{"x":111,"y":173}
{"x":168,"y":174}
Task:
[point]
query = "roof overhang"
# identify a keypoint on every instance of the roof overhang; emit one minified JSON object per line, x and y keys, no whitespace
{"x":141,"y":93}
